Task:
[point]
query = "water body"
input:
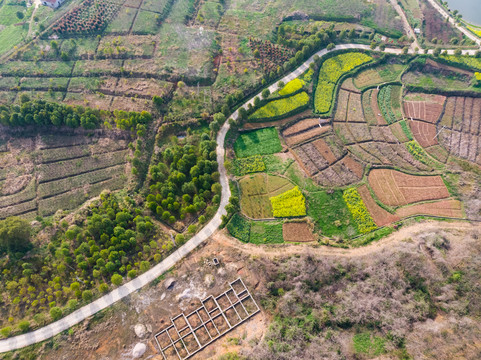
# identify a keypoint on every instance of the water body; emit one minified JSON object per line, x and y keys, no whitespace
{"x":470,"y":9}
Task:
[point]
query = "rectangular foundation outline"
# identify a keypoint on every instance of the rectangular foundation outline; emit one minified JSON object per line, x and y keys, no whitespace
{"x":239,"y":298}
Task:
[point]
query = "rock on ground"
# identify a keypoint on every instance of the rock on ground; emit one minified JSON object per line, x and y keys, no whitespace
{"x":139,"y":350}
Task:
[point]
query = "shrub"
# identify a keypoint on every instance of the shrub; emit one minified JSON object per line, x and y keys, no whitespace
{"x":289,"y":203}
{"x":6,"y":331}
{"x":24,"y":325}
{"x":331,"y":71}
{"x":359,"y":212}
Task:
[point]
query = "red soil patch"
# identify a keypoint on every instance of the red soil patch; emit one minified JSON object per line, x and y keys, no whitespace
{"x":448,"y":208}
{"x":380,"y":216}
{"x":424,"y":133}
{"x":353,"y":165}
{"x":375,"y":108}
{"x":395,"y":188}
{"x":297,"y":232}
{"x":325,"y":151}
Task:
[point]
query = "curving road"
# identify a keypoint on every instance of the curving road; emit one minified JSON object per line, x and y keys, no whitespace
{"x":136,"y":284}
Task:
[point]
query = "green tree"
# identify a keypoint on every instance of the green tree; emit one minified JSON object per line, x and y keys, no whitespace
{"x":14,"y":235}
{"x":20,"y":15}
{"x":56,"y":313}
{"x":116,"y":279}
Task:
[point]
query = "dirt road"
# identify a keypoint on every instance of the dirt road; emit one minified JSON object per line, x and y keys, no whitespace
{"x":224,"y":240}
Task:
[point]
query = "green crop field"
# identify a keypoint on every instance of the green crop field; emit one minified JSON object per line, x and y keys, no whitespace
{"x":258,"y":142}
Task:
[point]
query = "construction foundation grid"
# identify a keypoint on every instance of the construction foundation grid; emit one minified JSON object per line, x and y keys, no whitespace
{"x":189,"y":334}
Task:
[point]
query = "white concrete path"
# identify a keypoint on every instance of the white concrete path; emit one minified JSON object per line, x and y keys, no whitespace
{"x":134,"y":285}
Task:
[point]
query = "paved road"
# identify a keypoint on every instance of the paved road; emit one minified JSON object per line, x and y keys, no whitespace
{"x":134,"y":285}
{"x":445,"y":15}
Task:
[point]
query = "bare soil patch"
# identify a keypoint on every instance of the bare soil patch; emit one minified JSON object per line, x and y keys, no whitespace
{"x":395,"y":188}
{"x":424,"y":133}
{"x":448,"y":208}
{"x":297,"y":232}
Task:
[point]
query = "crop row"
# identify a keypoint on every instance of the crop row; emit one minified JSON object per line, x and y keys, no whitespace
{"x":290,"y":203}
{"x":26,"y":194}
{"x":76,"y":151}
{"x":358,"y":209}
{"x":50,"y":188}
{"x":331,"y":71}
{"x":68,"y":168}
{"x":384,"y":101}
{"x":74,"y":198}
{"x":281,"y":107}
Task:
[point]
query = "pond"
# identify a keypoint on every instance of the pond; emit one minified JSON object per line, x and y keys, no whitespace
{"x":470,"y":9}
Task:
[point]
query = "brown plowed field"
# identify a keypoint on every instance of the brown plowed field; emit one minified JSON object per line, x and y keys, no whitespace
{"x":448,"y":208}
{"x":395,"y":188}
{"x":424,"y":133}
{"x":428,"y":107}
{"x":380,"y":216}
{"x":325,"y":151}
{"x":300,"y":126}
{"x":355,"y":166}
{"x":307,"y":135}
{"x":297,"y":232}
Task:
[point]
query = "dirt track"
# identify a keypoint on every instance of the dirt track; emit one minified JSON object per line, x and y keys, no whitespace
{"x":399,"y":236}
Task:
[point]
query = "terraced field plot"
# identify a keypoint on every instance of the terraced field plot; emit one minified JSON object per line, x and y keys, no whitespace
{"x":256,"y":191}
{"x":304,"y":130}
{"x":424,"y":107}
{"x":459,"y":128}
{"x":378,"y":75}
{"x":42,"y":174}
{"x":395,"y":188}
